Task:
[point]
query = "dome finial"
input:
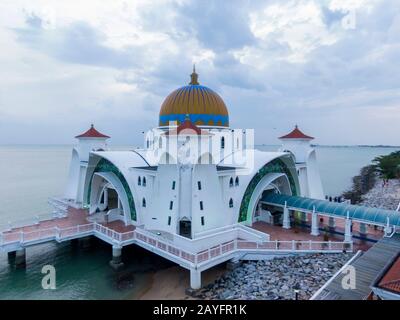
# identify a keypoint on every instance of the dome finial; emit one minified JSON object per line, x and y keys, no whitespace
{"x":194,"y":76}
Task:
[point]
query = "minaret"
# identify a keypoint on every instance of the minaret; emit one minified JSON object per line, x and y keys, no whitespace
{"x":299,"y":144}
{"x":91,"y":140}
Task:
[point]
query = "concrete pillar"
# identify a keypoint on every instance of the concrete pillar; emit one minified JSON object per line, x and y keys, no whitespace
{"x":105,"y":197}
{"x":331,"y":224}
{"x":314,"y":224}
{"x":286,"y":218}
{"x":116,"y":262}
{"x":20,"y":258}
{"x":195,"y":279}
{"x":347,"y":230}
{"x":11,"y":255}
{"x":363,"y":230}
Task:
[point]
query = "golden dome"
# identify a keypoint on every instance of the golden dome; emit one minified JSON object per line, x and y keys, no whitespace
{"x":202,"y":105}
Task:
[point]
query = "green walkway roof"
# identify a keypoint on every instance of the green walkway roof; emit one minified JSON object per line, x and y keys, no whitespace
{"x":360,"y":213}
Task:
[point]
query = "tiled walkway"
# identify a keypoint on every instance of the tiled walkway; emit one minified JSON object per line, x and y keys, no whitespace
{"x":303,"y":234}
{"x":74,"y":218}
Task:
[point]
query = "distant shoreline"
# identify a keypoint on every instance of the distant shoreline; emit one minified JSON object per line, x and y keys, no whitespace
{"x":336,"y":146}
{"x":133,"y":145}
{"x":354,"y":146}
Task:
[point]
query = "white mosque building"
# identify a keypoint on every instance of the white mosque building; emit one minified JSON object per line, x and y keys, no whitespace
{"x":194,"y":174}
{"x":198,"y":193}
{"x":196,"y":185}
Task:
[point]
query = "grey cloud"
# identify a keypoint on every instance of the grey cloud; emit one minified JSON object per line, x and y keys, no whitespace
{"x":78,"y":43}
{"x":220,"y":25}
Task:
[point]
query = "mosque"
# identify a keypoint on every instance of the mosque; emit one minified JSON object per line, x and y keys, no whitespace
{"x":199,"y":194}
{"x":194,"y":174}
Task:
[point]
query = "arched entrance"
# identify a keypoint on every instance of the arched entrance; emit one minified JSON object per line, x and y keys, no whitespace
{"x":273,"y":182}
{"x":108,"y":198}
{"x":279,"y":175}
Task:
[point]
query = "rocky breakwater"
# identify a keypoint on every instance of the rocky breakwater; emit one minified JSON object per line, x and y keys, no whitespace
{"x":276,"y":279}
{"x":383,"y":195}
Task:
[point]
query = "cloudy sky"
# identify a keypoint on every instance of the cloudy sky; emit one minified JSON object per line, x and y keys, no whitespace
{"x":330,"y":66}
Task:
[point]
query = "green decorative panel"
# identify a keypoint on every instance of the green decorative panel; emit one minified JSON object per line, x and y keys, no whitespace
{"x":106,"y":166}
{"x":274,"y":166}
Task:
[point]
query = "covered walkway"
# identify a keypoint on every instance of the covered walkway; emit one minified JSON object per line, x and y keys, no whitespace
{"x":374,"y":216}
{"x":368,"y":221}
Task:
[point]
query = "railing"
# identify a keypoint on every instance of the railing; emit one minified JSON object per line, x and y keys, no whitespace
{"x":271,"y":246}
{"x":25,"y":237}
{"x":26,"y":222}
{"x":161,"y":245}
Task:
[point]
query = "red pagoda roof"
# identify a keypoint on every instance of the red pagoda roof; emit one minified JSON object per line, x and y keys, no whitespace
{"x":92,"y":133}
{"x":187,"y":127}
{"x":296,"y":134}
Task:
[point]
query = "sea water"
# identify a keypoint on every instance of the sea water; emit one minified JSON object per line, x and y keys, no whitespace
{"x":30,"y":174}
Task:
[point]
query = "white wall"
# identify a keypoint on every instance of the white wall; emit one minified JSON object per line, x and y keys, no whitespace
{"x":216,"y":213}
{"x":73,"y":176}
{"x":158,"y":201}
{"x":314,"y":180}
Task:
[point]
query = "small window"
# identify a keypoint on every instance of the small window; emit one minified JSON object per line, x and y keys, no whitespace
{"x":230,"y":203}
{"x":160,"y":142}
{"x":223,"y":143}
{"x":199,"y":185}
{"x":173,"y":185}
{"x":148,"y":144}
{"x":231,"y":182}
{"x":171,"y":205}
{"x":202,"y":221}
{"x":201,"y":205}
{"x":144,"y":203}
{"x":169,"y":220}
{"x":237,"y":181}
{"x":139,"y":181}
{"x":144,"y":181}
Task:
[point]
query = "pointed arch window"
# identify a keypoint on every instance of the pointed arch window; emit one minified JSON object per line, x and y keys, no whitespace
{"x":223,"y":143}
{"x":230,"y":203}
{"x":144,"y":203}
{"x":139,"y":181}
{"x":144,"y":181}
{"x":231,"y":182}
{"x":237,"y":181}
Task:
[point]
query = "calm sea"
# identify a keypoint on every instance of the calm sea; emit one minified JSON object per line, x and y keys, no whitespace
{"x":30,"y":174}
